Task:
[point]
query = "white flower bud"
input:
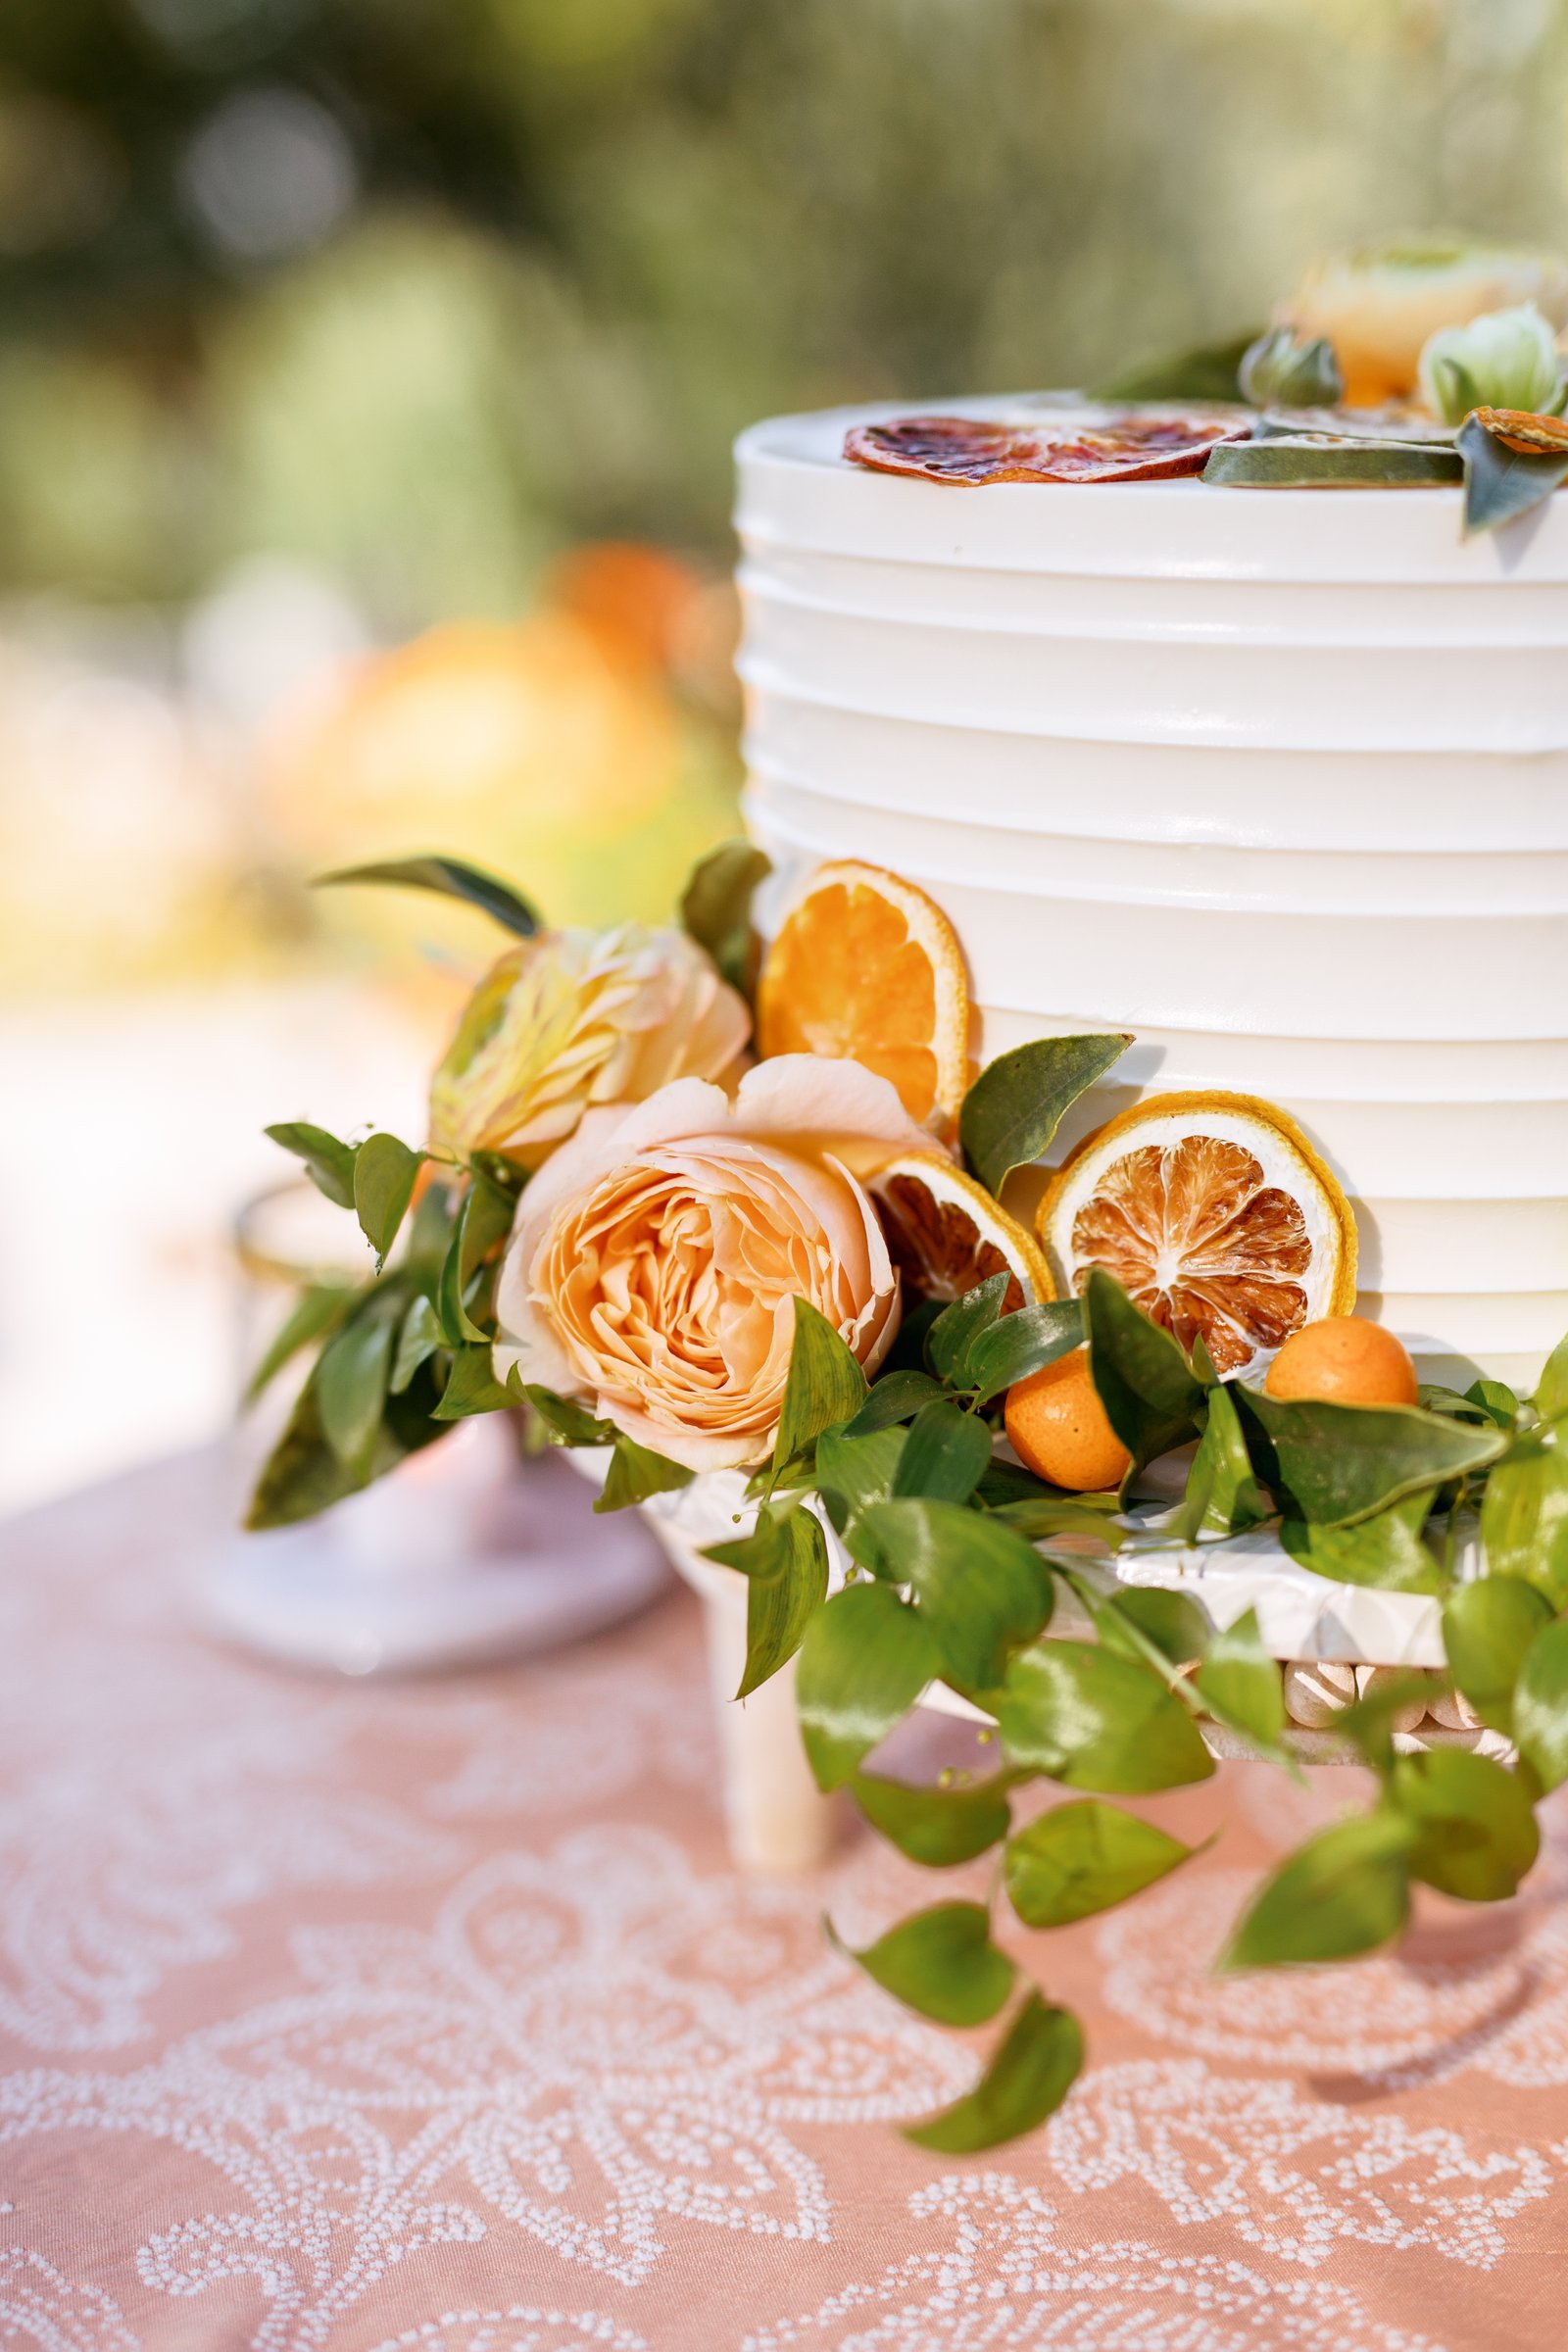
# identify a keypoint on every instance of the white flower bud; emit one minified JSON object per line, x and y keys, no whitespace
{"x":1502,"y":360}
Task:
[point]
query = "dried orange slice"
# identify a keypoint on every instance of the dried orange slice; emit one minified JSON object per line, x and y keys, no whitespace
{"x":1215,"y":1214}
{"x":945,"y":1233}
{"x":864,"y":967}
{"x":1522,"y":431}
{"x":976,"y":450}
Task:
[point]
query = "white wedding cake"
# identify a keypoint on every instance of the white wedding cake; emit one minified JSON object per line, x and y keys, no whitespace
{"x":1277,"y":780}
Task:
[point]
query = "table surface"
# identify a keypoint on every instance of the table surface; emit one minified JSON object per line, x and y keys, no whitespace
{"x":430,"y":2016}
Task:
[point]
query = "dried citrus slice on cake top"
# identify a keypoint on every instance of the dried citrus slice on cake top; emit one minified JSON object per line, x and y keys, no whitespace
{"x":945,"y":1233}
{"x":1215,"y":1214}
{"x":864,"y":967}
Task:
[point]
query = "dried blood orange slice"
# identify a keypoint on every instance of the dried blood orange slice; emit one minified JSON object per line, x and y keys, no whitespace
{"x":974,"y":449}
{"x":945,"y":1233}
{"x":1215,"y":1214}
{"x":864,"y":967}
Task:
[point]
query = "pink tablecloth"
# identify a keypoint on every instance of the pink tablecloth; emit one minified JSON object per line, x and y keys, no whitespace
{"x":430,"y":2016}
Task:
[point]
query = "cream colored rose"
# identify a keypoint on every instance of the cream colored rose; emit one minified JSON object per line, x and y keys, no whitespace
{"x":653,"y":1265}
{"x":573,"y":1019}
{"x":1379,"y":307}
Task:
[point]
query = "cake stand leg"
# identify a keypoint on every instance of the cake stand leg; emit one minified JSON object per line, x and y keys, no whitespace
{"x":776,"y":1816}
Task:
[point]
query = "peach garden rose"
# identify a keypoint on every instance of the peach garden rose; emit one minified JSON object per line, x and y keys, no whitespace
{"x":571,"y":1018}
{"x":655,"y":1261}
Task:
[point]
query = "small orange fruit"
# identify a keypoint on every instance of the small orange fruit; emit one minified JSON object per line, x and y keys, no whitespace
{"x":1346,"y":1359}
{"x":864,"y":967}
{"x":1058,"y":1428}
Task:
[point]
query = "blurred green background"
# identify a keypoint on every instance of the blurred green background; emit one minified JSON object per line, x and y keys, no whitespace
{"x":368,"y":375}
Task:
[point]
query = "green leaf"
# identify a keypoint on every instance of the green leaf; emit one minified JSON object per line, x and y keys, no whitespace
{"x":1369,"y":1721}
{"x":472,"y":1387}
{"x":1501,"y":483}
{"x":864,"y":1661}
{"x":1172,"y":1620}
{"x":1524,"y":1514}
{"x":1222,"y":1498}
{"x":936,"y":1827}
{"x":351,"y":1381}
{"x":1210,"y":371}
{"x":942,"y":1963}
{"x":853,"y":1472}
{"x":1488,"y":1627}
{"x":1240,"y":1685}
{"x":329,"y":1163}
{"x":419,"y":1337}
{"x":384,"y":1170}
{"x":302,"y":1477}
{"x":485,"y":1220}
{"x":1386,"y":1552}
{"x":825,"y":1386}
{"x":1497,"y":1400}
{"x":1031,"y":2074}
{"x":982,"y":1590}
{"x":458,"y":1327}
{"x":1334,"y":1464}
{"x":1149,"y":1395}
{"x":896,"y":1397}
{"x":1346,"y":1891}
{"x":786,"y":1563}
{"x":635,"y":1473}
{"x":1024,"y":1342}
{"x":451,"y":878}
{"x":1082,"y":1857}
{"x":1039,"y":1517}
{"x":953,"y":1333}
{"x":316,"y":1311}
{"x":1097,"y":1721}
{"x":1323,"y":461}
{"x":944,"y":1453}
{"x":1011,"y":1113}
{"x":1541,"y":1704}
{"x":1283,"y":368}
{"x":1552,"y":1393}
{"x":1476,"y":1833}
{"x":569,"y":1423}
{"x":715,"y":906}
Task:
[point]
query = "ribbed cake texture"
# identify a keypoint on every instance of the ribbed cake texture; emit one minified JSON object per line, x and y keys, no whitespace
{"x":1276,"y":780}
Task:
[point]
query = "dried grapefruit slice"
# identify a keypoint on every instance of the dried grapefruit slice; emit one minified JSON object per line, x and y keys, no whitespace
{"x":864,"y":967}
{"x":1215,"y":1214}
{"x":945,"y":1233}
{"x":975,"y":450}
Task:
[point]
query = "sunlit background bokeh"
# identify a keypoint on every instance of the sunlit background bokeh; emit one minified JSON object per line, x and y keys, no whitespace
{"x":367,"y":374}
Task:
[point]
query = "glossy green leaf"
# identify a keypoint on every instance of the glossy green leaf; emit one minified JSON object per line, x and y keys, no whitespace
{"x":1541,"y":1704}
{"x":1011,"y":1113}
{"x":329,"y":1163}
{"x":635,"y":1473}
{"x":715,"y":906}
{"x":1150,"y":1397}
{"x":1386,"y":1552}
{"x":1097,"y":1721}
{"x":982,"y":1590}
{"x":1223,"y":1498}
{"x":936,"y":1827}
{"x":1039,"y":1517}
{"x":568,"y":1421}
{"x":451,"y":878}
{"x":1024,"y":1342}
{"x":303,"y":1476}
{"x":825,"y":1386}
{"x":1082,"y":1857}
{"x":944,"y":1453}
{"x":1282,"y":367}
{"x":1171,"y":1621}
{"x":1346,"y":1891}
{"x":472,"y":1387}
{"x":1524,"y":1514}
{"x":1323,"y":461}
{"x":896,"y":1397}
{"x":1476,"y":1833}
{"x":351,"y":1381}
{"x":384,"y":1170}
{"x":1497,"y":1400}
{"x":953,"y":1333}
{"x":1032,"y":2072}
{"x":419,"y":1337}
{"x":452,"y":1294}
{"x":1488,"y":1627}
{"x":785,"y":1562}
{"x":943,"y":1963}
{"x":853,"y":1472}
{"x":865,"y":1660}
{"x":1334,"y":1464}
{"x":1551,"y":1390}
{"x":1240,"y":1685}
{"x":483,"y":1222}
{"x":316,"y":1310}
{"x":1501,"y":483}
{"x":1209,"y":372}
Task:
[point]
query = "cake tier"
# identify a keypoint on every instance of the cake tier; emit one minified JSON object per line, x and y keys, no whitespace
{"x":1276,"y":781}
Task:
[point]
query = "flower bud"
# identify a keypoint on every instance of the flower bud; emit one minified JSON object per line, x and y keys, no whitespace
{"x":1281,"y":371}
{"x":1502,"y":360}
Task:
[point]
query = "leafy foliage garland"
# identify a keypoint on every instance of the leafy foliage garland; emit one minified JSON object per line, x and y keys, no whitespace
{"x":955,"y":1560}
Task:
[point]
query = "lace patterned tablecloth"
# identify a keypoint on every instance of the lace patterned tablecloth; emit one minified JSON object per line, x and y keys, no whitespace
{"x":430,"y":2017}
